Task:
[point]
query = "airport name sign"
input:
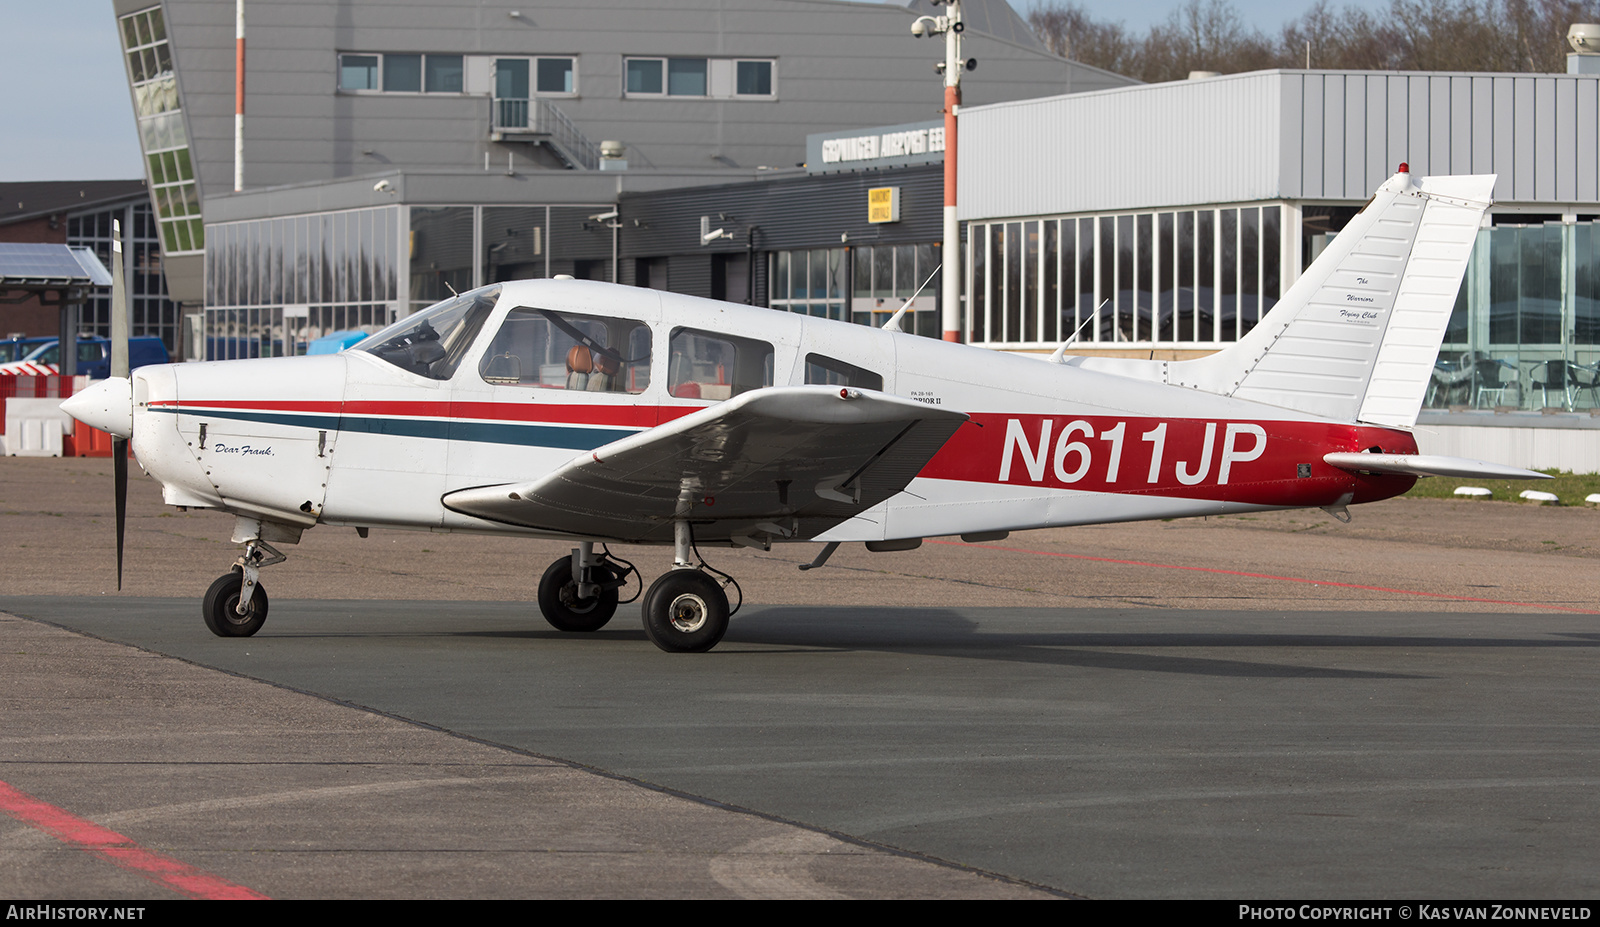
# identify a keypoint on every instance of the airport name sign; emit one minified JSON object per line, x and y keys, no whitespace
{"x":886,"y":146}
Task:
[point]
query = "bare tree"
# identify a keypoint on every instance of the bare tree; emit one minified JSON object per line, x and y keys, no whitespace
{"x":1209,"y":35}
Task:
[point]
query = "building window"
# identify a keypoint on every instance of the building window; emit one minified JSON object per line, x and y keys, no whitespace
{"x":358,"y":72}
{"x":754,"y":79}
{"x":1190,"y":278}
{"x":686,"y":77}
{"x":445,"y":73}
{"x":557,"y":76}
{"x":1525,"y":332}
{"x":402,"y":73}
{"x":810,"y":282}
{"x":886,"y":277}
{"x":716,"y":78}
{"x":644,"y":76}
{"x":162,"y":135}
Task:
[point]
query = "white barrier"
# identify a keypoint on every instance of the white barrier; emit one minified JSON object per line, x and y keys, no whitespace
{"x":34,"y":427}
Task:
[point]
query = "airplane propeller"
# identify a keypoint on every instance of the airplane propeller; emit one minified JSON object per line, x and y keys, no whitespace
{"x":119,"y":368}
{"x":108,"y":405}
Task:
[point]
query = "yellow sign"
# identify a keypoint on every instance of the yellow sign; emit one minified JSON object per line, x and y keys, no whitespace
{"x":883,"y":205}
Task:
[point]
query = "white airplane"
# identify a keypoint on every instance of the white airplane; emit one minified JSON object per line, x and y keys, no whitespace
{"x":601,"y":413}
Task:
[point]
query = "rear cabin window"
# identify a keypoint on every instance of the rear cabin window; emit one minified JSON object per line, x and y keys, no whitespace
{"x":563,"y":350}
{"x":705,"y":365}
{"x":827,"y":371}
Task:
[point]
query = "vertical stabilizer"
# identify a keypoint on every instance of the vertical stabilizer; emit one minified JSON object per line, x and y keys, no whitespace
{"x":1356,"y":337}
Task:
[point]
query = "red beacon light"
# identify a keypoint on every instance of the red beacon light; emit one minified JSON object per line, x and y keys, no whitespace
{"x":1405,"y":168}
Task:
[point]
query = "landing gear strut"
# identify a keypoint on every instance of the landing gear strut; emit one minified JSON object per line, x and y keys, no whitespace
{"x":236,"y":604}
{"x":685,"y":610}
{"x":579,"y":593}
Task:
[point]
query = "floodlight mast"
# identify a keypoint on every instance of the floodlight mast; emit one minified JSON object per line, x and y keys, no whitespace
{"x":950,"y":286}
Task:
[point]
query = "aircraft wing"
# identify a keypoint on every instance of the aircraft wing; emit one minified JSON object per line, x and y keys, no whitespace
{"x":1430,"y":465}
{"x":782,"y":462}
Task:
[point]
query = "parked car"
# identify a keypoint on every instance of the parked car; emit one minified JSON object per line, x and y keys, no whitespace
{"x":16,"y":347}
{"x":94,"y":356}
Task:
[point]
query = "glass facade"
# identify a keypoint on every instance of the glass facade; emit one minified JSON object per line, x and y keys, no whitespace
{"x":150,"y":311}
{"x":161,"y":131}
{"x":814,"y":282}
{"x":1180,"y":278}
{"x":1526,"y":328}
{"x":273,"y":285}
{"x":865,"y":284}
{"x":441,"y":253}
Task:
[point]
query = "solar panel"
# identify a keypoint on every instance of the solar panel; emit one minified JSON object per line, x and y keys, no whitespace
{"x":23,"y":264}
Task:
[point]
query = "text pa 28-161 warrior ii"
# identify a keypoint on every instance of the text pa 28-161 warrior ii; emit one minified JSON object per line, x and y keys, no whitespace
{"x":582,"y":410}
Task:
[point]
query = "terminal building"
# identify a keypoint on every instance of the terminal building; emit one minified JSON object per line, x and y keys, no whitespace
{"x":393,"y":152}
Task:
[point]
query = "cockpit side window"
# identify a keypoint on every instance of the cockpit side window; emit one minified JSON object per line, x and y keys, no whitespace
{"x":705,"y":365}
{"x":831,"y":372}
{"x":564,"y":350}
{"x":433,"y":342}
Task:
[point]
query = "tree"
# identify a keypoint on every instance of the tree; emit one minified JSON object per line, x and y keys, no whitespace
{"x":1412,"y":35}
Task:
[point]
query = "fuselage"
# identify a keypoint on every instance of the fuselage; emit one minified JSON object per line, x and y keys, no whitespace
{"x":375,"y":436}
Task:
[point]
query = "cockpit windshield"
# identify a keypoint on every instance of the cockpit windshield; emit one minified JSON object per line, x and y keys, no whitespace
{"x":432,"y":342}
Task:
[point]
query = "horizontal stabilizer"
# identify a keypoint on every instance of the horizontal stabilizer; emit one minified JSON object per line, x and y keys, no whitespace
{"x":1430,"y":465}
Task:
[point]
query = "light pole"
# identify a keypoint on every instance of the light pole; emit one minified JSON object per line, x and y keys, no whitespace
{"x":950,"y":26}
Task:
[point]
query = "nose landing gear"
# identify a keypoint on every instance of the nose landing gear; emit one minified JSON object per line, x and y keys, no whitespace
{"x":236,"y":604}
{"x":580,"y":592}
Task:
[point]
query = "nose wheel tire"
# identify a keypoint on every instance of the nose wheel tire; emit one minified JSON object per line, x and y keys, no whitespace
{"x":685,"y":612}
{"x":561,"y":606}
{"x":220,"y":607}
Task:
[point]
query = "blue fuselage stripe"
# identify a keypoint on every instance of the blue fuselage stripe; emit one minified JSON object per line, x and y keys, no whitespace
{"x":571,"y":437}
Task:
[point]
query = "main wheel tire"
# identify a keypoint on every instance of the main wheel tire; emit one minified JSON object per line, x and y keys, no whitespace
{"x":685,"y":612}
{"x":220,"y":604}
{"x":560,"y":605}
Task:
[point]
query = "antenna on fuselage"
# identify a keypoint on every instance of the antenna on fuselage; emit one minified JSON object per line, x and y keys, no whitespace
{"x":1060,"y":356}
{"x":450,"y":288}
{"x":893,"y":325}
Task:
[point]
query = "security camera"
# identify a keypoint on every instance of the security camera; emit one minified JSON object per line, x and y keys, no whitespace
{"x":710,"y":237}
{"x":603,"y":216}
{"x":1584,"y":38}
{"x":925,"y":25}
{"x":383,"y":186}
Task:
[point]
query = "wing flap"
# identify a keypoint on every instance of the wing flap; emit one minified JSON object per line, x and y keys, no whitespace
{"x":1430,"y":465}
{"x":787,"y":462}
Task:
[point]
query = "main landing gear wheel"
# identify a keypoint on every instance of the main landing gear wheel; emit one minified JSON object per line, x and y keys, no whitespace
{"x":221,"y":611}
{"x":561,"y":606}
{"x":685,"y":611}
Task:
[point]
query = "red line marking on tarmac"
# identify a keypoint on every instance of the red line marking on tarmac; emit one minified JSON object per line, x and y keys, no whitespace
{"x":1286,"y":579}
{"x":115,"y":848}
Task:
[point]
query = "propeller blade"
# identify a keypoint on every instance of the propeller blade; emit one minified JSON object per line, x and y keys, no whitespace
{"x":119,"y":368}
{"x":119,"y":470}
